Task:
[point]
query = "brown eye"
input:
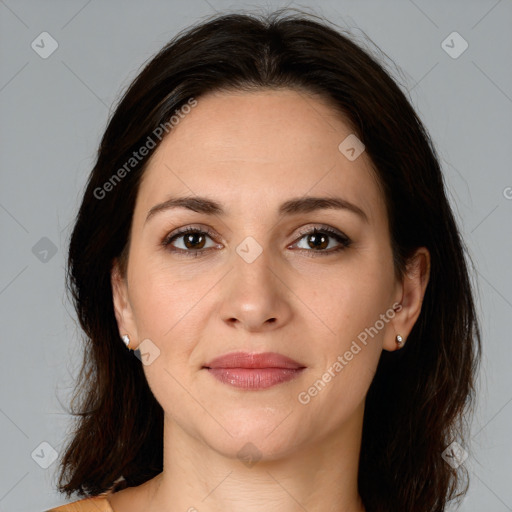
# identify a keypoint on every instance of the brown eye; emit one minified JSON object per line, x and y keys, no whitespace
{"x":193,"y":240}
{"x":318,"y":239}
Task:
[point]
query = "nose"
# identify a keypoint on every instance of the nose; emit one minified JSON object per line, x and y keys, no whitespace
{"x":255,"y":295}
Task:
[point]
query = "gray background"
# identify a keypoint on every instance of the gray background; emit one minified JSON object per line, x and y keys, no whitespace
{"x":53,"y":112}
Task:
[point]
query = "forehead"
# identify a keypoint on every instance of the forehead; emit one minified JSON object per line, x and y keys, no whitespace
{"x":254,"y":149}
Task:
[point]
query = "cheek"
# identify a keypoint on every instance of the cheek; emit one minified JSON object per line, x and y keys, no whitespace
{"x":353,"y":311}
{"x":165,"y":300}
{"x":332,"y":395}
{"x":347,"y":299}
{"x":170,"y":313}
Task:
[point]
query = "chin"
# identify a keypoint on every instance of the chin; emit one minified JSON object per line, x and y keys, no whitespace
{"x":254,"y":435}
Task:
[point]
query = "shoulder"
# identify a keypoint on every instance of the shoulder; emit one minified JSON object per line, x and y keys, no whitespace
{"x":95,"y":504}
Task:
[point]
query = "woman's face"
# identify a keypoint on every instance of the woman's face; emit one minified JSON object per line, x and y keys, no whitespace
{"x":259,"y":282}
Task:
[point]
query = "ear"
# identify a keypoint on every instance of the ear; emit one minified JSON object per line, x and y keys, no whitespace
{"x":410,"y":293}
{"x":122,"y":307}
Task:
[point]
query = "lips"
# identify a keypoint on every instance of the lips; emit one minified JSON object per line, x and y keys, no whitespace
{"x":254,"y":360}
{"x":253,"y":371}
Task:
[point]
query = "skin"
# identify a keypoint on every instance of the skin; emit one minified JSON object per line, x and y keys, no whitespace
{"x":251,"y":151}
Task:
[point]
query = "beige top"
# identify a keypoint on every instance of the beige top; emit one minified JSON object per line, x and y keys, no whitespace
{"x":95,"y":504}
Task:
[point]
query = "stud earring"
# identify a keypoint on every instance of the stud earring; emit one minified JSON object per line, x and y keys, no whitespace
{"x":399,"y":341}
{"x":126,"y":339}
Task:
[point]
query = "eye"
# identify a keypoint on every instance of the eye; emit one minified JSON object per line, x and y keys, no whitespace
{"x":317,"y":239}
{"x":193,"y":241}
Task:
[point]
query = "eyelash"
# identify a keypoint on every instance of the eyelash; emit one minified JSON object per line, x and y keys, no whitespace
{"x":338,"y":236}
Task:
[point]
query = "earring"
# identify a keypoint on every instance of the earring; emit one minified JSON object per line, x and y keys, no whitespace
{"x":126,"y":339}
{"x":399,"y":341}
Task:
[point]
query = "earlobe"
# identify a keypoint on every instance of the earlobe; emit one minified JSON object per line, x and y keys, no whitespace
{"x":121,"y":303}
{"x":413,"y":287}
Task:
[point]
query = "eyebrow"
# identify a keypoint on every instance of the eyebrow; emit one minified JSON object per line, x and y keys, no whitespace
{"x":293,"y":206}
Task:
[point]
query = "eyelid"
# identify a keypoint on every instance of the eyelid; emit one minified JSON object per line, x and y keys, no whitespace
{"x":322,"y":228}
{"x":186,"y":229}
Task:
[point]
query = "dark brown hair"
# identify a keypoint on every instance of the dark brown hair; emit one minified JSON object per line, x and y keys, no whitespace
{"x":421,"y":396}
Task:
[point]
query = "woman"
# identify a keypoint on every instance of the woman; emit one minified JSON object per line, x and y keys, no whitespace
{"x":266,"y":227}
